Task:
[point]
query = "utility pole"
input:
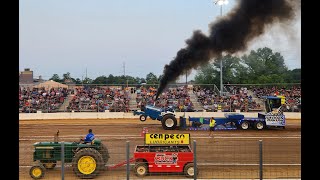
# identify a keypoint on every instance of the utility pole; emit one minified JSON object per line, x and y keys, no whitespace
{"x":86,"y":76}
{"x":186,"y":78}
{"x":124,"y":69}
{"x":82,"y":80}
{"x":184,"y":114}
{"x":124,"y":73}
{"x":221,"y":3}
{"x":221,"y":83}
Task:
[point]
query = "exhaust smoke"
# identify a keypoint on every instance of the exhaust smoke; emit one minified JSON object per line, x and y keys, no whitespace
{"x":229,"y":34}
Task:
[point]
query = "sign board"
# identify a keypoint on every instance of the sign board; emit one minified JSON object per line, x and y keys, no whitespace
{"x":167,"y":138}
{"x":273,"y":120}
{"x":166,"y":159}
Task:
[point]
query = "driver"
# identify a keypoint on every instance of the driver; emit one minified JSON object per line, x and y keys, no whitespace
{"x":89,"y":137}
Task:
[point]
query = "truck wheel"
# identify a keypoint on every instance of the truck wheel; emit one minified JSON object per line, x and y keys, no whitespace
{"x":188,"y":170}
{"x":49,"y":164}
{"x":143,"y":118}
{"x":105,"y":153}
{"x":87,"y":163}
{"x":244,"y":125}
{"x":169,"y":122}
{"x":141,"y":169}
{"x":259,"y":125}
{"x":37,"y":172}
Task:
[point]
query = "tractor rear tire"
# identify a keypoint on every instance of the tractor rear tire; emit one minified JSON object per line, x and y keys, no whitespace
{"x":169,"y":122}
{"x":188,"y":170}
{"x":143,"y":118}
{"x":141,"y":169}
{"x":244,"y":125}
{"x":37,"y":171}
{"x":259,"y":125}
{"x":87,"y":163}
{"x":105,"y":153}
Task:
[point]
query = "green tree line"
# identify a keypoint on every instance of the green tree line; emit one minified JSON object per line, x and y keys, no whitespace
{"x":111,"y":79}
{"x":260,"y":66}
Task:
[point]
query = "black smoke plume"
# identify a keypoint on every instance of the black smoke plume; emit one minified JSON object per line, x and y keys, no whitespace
{"x":229,"y":34}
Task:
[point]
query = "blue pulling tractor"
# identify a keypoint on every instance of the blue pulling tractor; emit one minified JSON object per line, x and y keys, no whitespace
{"x":165,"y":115}
{"x":273,"y":117}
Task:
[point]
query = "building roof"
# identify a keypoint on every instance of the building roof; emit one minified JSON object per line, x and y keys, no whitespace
{"x":50,"y":84}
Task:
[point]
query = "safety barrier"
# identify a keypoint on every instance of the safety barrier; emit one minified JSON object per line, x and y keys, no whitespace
{"x":121,"y":115}
{"x":216,"y":158}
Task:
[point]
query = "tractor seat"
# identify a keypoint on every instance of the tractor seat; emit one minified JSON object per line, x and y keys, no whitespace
{"x":87,"y":142}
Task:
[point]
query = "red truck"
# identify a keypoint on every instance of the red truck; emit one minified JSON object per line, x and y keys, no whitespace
{"x":164,"y":153}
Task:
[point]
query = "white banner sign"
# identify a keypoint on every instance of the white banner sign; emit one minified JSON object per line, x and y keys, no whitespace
{"x":275,"y":120}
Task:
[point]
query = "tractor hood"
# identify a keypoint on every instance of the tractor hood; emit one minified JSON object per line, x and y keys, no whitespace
{"x":96,"y":141}
{"x":51,"y":144}
{"x":58,"y":144}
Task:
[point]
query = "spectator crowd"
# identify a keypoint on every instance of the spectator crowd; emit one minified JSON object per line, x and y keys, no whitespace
{"x":117,"y":98}
{"x":47,"y":100}
{"x":240,"y":99}
{"x":292,"y":94}
{"x":177,"y":98}
{"x":99,"y":99}
{"x":237,"y":99}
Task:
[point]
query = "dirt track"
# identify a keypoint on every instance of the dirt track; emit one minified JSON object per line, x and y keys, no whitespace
{"x":229,"y":154}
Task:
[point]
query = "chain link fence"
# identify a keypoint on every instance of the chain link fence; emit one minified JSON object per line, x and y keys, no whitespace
{"x":216,"y":158}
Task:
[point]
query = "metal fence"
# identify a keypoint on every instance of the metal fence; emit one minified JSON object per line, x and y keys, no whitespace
{"x":216,"y":158}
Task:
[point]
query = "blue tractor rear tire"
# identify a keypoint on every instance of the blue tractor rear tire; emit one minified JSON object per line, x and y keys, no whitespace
{"x":169,"y":122}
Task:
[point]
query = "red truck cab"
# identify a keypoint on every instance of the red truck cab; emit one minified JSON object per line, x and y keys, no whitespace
{"x":163,"y":158}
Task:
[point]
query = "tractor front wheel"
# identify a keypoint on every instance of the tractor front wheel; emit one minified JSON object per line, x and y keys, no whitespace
{"x":143,"y":118}
{"x":87,"y":163}
{"x":169,"y":122}
{"x":37,"y":172}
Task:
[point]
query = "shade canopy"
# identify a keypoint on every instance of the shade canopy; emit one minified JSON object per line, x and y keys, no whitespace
{"x":50,"y":84}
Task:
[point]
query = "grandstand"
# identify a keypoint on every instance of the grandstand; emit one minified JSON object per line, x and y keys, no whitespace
{"x":94,"y":98}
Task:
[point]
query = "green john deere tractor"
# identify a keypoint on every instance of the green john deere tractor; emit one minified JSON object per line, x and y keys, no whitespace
{"x":88,"y":160}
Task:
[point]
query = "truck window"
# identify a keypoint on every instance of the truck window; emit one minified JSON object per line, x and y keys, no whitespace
{"x":173,"y":148}
{"x":142,"y":149}
{"x":184,"y":149}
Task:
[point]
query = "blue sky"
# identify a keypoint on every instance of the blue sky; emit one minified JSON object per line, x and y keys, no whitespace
{"x":59,"y":36}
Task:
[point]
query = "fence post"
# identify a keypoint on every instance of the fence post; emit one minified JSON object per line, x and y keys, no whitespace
{"x":62,"y":160}
{"x":195,"y":159}
{"x":260,"y":160}
{"x":128,"y":160}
